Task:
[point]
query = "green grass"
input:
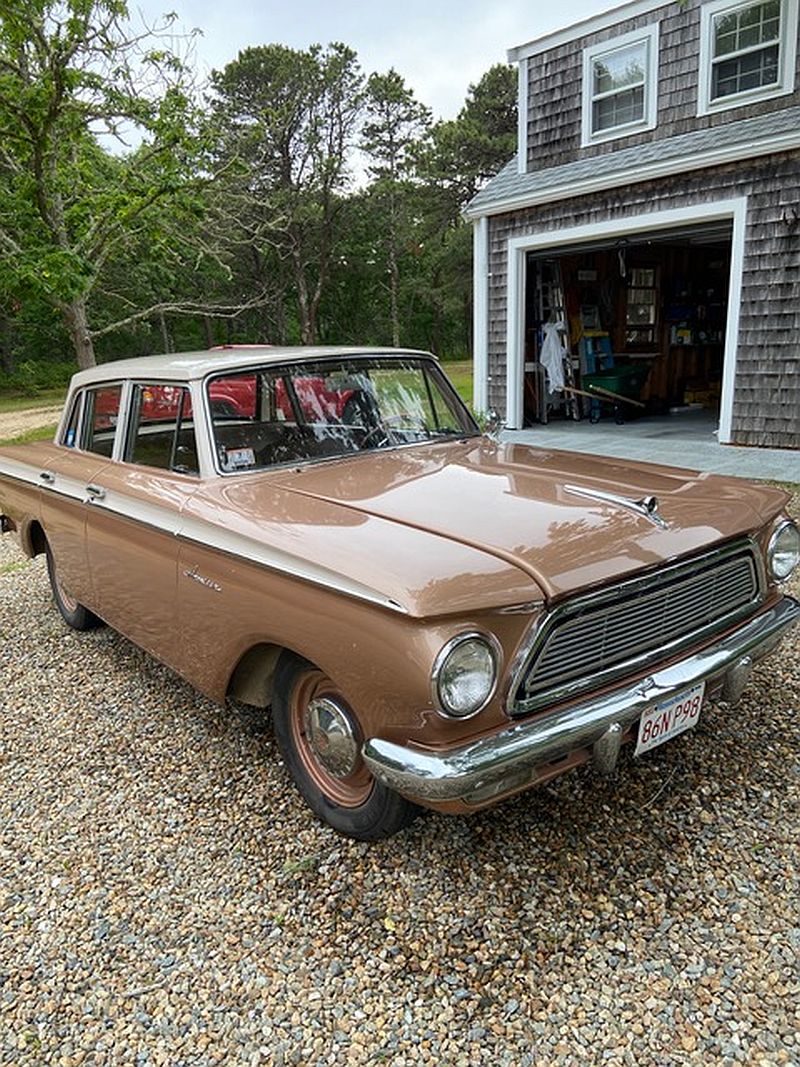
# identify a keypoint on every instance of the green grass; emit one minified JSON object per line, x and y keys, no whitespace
{"x":14,"y":402}
{"x":460,"y":374}
{"x":41,"y":433}
{"x":12,"y":568}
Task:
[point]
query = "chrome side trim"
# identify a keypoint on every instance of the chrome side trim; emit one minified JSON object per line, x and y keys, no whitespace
{"x":513,"y":753}
{"x":60,"y":485}
{"x":164,"y":520}
{"x":522,"y":609}
{"x":197,"y":532}
{"x":22,"y":472}
{"x":541,"y":628}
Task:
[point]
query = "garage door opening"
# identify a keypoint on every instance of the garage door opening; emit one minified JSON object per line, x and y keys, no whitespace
{"x":641,"y":319}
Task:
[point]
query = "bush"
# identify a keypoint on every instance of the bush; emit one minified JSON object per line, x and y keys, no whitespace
{"x":31,"y":378}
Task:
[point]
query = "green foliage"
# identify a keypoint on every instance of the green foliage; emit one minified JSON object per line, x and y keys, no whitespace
{"x":394,"y":123}
{"x":462,"y":154}
{"x":70,"y":71}
{"x":129,"y":223}
{"x":31,"y":378}
{"x":284,"y":121}
{"x":18,"y":402}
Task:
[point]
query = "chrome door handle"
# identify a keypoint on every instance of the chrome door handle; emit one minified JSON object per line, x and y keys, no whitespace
{"x":47,"y":477}
{"x":95,"y":492}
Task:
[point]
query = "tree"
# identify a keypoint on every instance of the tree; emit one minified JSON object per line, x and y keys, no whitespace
{"x":72,"y":72}
{"x":285,"y":122}
{"x":394,"y":123}
{"x":463,"y":153}
{"x":457,"y":158}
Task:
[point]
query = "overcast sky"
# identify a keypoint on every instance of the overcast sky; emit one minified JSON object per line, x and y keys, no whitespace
{"x":438,"y":46}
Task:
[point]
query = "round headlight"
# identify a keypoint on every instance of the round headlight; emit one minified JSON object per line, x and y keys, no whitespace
{"x":465,"y":675}
{"x":783,"y":551}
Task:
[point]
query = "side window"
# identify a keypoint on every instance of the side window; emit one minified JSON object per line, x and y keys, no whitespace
{"x":69,"y":436}
{"x":100,"y":419}
{"x":161,"y":430}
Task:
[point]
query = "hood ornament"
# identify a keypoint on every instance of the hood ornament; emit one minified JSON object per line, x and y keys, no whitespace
{"x":647,"y":507}
{"x":495,"y":424}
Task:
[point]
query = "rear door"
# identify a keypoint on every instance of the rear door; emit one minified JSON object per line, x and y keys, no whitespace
{"x":86,"y":445}
{"x":135,"y":517}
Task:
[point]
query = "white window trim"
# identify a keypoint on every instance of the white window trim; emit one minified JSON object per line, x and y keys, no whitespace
{"x":649,"y":35}
{"x":788,"y":57}
{"x":522,"y":117}
{"x":480,"y":333}
{"x":624,"y":226}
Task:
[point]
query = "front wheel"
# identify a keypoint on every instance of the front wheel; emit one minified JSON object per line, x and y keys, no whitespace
{"x":74,"y":614}
{"x":320,"y":740}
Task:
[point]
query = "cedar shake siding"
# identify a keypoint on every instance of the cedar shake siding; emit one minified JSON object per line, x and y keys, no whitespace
{"x":555,"y":90}
{"x":766,"y":406}
{"x":744,"y":153}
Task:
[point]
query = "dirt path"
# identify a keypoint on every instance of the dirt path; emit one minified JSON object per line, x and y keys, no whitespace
{"x":13,"y":423}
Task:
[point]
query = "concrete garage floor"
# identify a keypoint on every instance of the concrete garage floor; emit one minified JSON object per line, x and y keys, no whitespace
{"x":686,"y":439}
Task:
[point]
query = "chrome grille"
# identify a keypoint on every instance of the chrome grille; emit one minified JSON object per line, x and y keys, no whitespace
{"x":594,"y":638}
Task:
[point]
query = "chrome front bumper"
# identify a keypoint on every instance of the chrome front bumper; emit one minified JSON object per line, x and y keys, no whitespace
{"x":507,"y":760}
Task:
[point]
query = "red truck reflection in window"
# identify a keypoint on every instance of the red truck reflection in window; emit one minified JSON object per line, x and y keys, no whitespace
{"x":235,"y":398}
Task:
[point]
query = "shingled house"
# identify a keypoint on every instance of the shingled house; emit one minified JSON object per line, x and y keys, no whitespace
{"x":654,"y":207}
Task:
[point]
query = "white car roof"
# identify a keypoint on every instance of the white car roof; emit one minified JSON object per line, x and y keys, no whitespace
{"x":189,"y":366}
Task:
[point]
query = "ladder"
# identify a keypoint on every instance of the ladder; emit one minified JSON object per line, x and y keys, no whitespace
{"x":551,"y":307}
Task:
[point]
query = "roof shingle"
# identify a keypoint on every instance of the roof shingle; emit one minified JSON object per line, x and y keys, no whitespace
{"x":509,"y":185}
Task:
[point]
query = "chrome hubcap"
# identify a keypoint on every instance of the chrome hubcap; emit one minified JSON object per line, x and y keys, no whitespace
{"x":331,"y":737}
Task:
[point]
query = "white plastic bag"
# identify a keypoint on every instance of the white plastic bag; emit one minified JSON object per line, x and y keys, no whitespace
{"x":552,"y":357}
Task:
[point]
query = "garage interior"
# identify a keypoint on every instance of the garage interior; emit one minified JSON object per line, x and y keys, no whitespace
{"x":642,"y":325}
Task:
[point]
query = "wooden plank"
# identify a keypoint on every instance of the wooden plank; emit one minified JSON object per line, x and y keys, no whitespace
{"x":615,"y":396}
{"x":596,"y":389}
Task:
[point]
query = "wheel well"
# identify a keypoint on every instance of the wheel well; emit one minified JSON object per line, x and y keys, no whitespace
{"x":251,"y":681}
{"x":33,"y":540}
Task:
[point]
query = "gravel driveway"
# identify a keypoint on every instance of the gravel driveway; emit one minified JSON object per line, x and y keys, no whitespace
{"x":165,"y":898}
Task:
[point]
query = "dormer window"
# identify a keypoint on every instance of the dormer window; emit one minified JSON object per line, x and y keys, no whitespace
{"x":747,"y":52}
{"x":619,"y":86}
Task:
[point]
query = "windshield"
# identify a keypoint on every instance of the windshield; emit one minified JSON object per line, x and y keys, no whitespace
{"x":310,"y":411}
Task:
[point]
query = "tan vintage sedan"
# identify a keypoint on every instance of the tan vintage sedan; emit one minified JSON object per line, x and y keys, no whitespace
{"x":436,"y":618}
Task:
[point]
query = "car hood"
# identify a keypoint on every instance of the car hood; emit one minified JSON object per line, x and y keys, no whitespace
{"x":542,"y":511}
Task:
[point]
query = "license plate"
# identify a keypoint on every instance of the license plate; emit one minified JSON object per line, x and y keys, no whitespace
{"x":669,"y":718}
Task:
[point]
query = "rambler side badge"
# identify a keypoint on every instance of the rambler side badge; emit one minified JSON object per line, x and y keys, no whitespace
{"x":647,"y":507}
{"x":209,"y":583}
